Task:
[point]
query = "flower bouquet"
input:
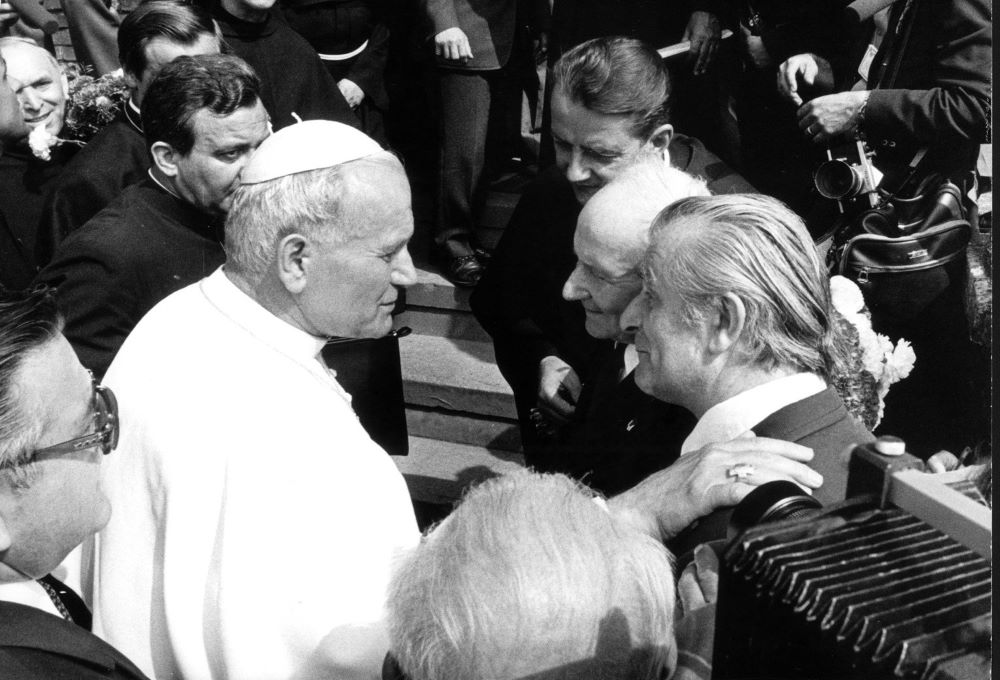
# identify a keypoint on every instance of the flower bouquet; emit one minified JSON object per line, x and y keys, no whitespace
{"x":91,"y":103}
{"x":870,"y":361}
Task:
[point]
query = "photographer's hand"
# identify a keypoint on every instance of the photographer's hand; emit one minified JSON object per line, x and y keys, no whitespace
{"x":804,"y":72}
{"x":830,"y":116}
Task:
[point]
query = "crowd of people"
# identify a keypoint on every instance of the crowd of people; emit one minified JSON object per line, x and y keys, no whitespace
{"x":660,"y":303}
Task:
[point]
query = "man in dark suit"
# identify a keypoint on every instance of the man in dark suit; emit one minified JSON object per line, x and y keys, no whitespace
{"x":735,"y":324}
{"x":151,"y":36}
{"x":478,"y":46}
{"x":610,"y":107}
{"x":618,"y":435}
{"x":203,"y":117}
{"x":57,"y":423}
{"x":918,"y":81}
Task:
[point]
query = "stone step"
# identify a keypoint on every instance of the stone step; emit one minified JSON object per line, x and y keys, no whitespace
{"x":455,"y":375}
{"x":438,"y":472}
{"x":463,"y":428}
{"x":433,"y":290}
{"x":442,"y":322}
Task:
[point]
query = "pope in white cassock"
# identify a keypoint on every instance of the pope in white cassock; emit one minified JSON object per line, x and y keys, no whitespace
{"x":255,"y":523}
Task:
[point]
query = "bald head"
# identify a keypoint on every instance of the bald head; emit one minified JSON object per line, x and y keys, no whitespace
{"x":36,"y":79}
{"x":611,"y":236}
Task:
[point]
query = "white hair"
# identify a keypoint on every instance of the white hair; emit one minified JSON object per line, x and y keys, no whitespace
{"x":530,"y":575}
{"x":755,"y":247}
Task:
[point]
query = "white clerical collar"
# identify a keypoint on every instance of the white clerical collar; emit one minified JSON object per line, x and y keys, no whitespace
{"x":259,"y":322}
{"x":734,"y":416}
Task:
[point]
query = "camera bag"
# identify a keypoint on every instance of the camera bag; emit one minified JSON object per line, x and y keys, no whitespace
{"x":900,"y":276}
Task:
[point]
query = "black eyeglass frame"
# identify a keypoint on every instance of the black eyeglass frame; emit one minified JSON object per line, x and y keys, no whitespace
{"x":106,"y":435}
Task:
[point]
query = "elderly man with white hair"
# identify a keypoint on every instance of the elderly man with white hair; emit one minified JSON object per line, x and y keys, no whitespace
{"x":467,"y":603}
{"x":735,"y":323}
{"x":254,"y":517}
{"x":40,"y":86}
{"x":617,"y":434}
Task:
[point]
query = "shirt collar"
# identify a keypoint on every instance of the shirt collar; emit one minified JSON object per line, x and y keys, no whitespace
{"x":247,"y":313}
{"x":734,"y":416}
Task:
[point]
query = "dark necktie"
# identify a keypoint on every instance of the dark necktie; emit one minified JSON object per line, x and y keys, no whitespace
{"x":70,"y":605}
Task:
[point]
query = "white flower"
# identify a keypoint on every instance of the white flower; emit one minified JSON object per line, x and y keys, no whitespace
{"x":41,"y":142}
{"x":899,"y":362}
{"x":846,"y":296}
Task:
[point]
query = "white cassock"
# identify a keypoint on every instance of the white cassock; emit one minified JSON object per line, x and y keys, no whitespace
{"x":255,"y":524}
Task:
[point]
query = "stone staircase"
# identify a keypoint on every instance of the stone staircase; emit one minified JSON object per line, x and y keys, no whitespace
{"x":459,"y":409}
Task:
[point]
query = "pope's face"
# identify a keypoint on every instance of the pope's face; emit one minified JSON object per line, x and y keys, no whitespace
{"x":351,"y":288}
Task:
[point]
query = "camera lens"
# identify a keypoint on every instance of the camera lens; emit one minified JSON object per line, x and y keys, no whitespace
{"x":837,"y":179}
{"x":771,"y":502}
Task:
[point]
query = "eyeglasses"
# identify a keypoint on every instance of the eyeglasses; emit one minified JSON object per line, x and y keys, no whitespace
{"x":106,"y":434}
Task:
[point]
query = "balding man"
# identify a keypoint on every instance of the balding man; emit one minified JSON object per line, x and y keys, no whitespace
{"x":41,"y":89}
{"x":618,"y":434}
{"x":735,"y":324}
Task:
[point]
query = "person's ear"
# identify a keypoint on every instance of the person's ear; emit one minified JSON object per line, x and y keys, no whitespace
{"x":165,"y":157}
{"x":6,"y":534}
{"x":726,"y":324}
{"x":660,"y":138}
{"x":64,"y":81}
{"x":131,"y":82}
{"x":294,"y":253}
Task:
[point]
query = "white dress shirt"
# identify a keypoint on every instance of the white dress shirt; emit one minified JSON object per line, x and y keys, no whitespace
{"x":734,"y":416}
{"x":255,"y":524}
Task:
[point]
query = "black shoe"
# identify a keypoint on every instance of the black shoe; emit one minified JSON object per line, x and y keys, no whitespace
{"x":463,"y":270}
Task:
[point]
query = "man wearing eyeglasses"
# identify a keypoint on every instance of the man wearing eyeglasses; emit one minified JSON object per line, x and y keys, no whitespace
{"x":56,"y":425}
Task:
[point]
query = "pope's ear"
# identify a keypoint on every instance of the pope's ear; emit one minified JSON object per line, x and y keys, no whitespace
{"x":293,"y":253}
{"x":164,"y":158}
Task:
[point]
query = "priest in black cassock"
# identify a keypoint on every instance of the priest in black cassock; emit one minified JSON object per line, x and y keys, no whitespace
{"x":203,"y":118}
{"x":40,"y":88}
{"x":294,"y":82}
{"x":117,"y":157}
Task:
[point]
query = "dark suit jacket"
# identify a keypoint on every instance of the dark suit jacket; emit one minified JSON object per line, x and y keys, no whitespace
{"x":819,"y":422}
{"x":115,"y":158}
{"x":941,"y":93}
{"x":519,"y":300}
{"x":36,"y":645}
{"x":137,"y":251}
{"x":490,"y":25}
{"x":24,"y":180}
{"x":619,"y":435}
